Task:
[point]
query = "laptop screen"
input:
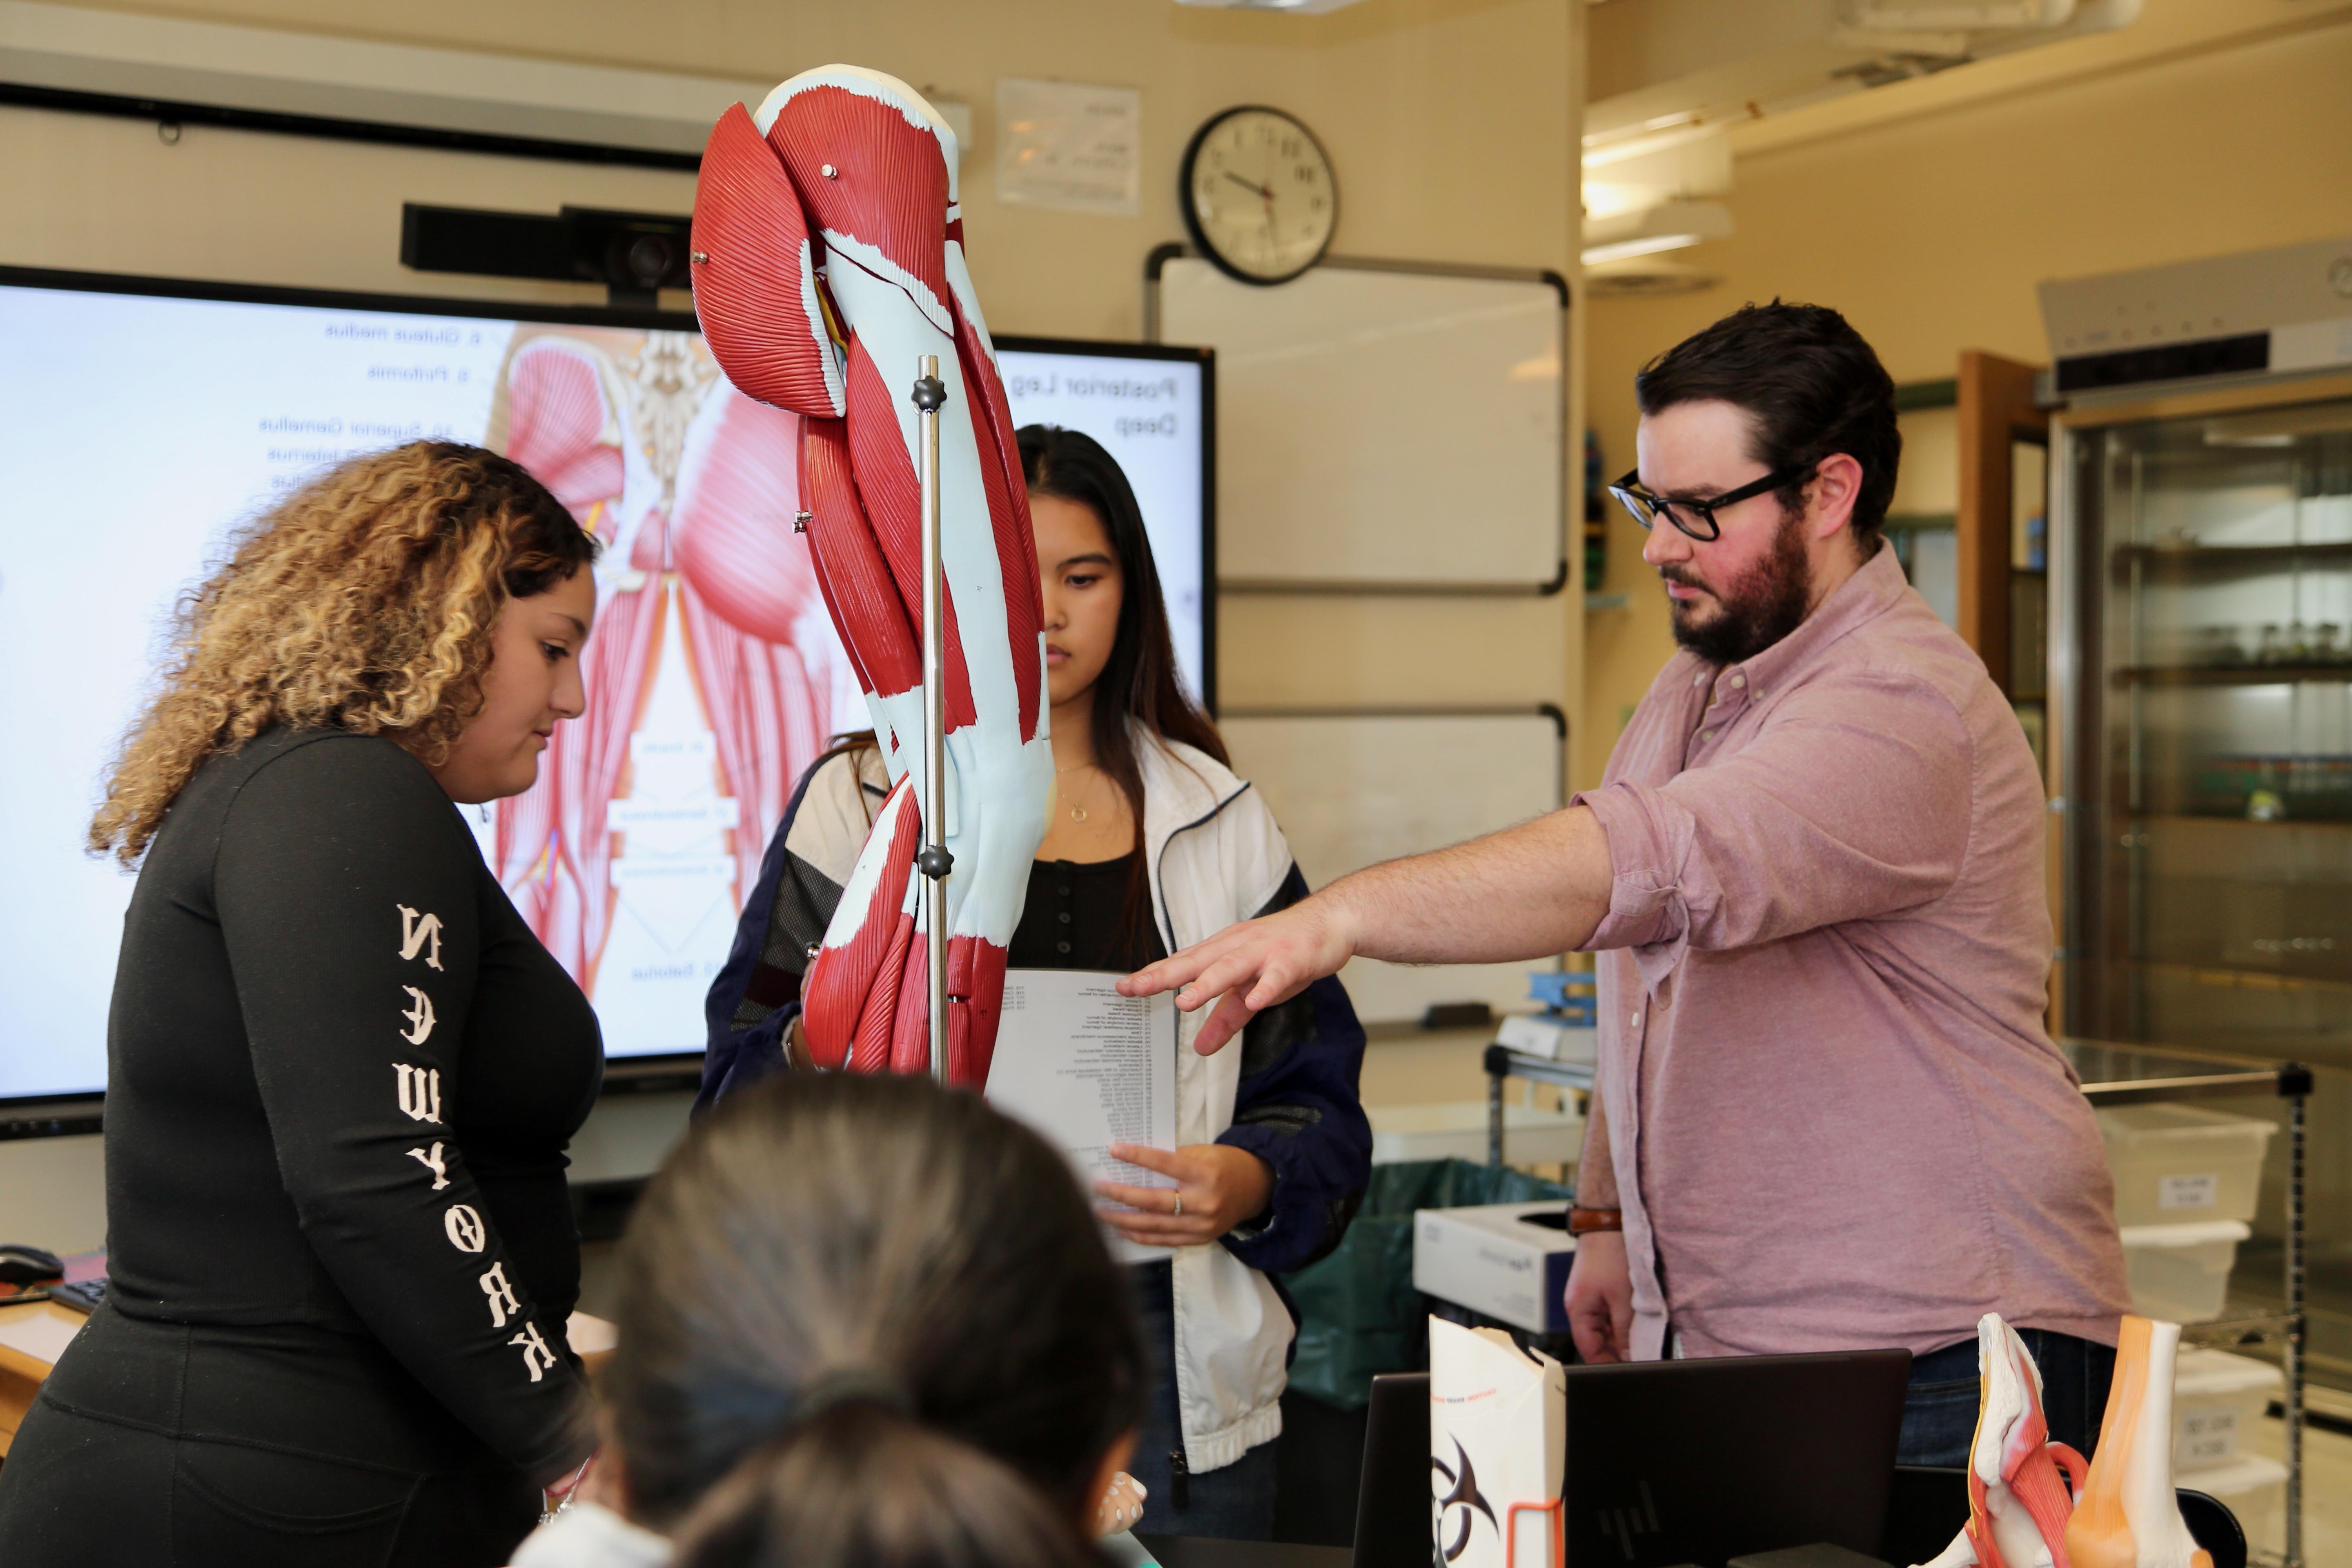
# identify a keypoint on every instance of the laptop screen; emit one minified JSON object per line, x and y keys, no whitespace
{"x":1673,"y":1462}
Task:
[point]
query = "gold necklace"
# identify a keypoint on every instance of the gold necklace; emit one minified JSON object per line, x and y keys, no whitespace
{"x":1078,"y":812}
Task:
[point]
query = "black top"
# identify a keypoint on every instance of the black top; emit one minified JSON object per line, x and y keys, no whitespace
{"x":1081,"y":915}
{"x":341,"y":1075}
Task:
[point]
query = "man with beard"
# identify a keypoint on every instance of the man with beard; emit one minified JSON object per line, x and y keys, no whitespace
{"x":1827,"y":1116}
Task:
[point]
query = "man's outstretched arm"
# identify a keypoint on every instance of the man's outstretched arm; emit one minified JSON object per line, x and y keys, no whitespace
{"x":1528,"y":891}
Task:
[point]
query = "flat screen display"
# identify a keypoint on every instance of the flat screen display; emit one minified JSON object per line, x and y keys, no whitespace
{"x":141,"y":423}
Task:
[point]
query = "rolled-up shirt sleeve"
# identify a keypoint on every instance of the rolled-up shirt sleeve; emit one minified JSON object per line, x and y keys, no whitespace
{"x":1794,"y":830}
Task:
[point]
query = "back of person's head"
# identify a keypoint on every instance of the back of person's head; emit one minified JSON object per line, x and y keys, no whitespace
{"x":1141,"y":683}
{"x":1810,"y":385}
{"x":867,"y":1320}
{"x":364,"y":601}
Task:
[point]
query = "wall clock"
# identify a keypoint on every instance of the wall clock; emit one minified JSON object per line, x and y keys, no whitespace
{"x":1258,"y":195}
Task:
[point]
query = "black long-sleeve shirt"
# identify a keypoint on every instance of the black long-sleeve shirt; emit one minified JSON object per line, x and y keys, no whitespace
{"x":342,"y":1073}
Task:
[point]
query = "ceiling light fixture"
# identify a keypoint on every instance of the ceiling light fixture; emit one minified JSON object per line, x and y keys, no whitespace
{"x":1624,"y":249}
{"x":1662,"y":225}
{"x":1299,"y":7}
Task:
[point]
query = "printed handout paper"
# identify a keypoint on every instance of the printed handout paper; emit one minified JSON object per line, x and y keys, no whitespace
{"x":1089,"y":1068}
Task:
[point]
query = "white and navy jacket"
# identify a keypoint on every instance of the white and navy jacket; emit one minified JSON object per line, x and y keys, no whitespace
{"x":1286,"y":1092}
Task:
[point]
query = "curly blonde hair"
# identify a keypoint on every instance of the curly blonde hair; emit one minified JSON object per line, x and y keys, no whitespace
{"x":364,"y":601}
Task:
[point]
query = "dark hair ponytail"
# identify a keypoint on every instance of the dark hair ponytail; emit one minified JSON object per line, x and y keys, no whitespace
{"x":869,"y":1320}
{"x":872,"y":1487}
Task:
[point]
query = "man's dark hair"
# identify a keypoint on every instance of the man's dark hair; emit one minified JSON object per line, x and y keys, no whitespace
{"x":1811,"y":387}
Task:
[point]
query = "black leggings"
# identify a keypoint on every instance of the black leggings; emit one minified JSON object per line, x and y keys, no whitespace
{"x":167,"y":1444}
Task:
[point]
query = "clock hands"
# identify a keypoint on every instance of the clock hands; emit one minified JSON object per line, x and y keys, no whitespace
{"x":1250,"y":186}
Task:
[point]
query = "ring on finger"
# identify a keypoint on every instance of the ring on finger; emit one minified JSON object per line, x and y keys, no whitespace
{"x":1178,"y":1212}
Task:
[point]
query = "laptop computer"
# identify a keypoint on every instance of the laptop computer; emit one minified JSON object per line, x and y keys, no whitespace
{"x":1674,"y":1462}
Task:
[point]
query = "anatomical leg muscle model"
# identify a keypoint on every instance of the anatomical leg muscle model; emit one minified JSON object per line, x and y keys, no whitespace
{"x":2033,"y":1503}
{"x":828,"y":256}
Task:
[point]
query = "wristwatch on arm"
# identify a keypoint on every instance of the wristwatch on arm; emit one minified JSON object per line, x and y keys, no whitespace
{"x":1596,"y":1179}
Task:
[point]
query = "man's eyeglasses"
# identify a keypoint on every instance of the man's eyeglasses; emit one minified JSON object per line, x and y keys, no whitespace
{"x":1696,"y":517}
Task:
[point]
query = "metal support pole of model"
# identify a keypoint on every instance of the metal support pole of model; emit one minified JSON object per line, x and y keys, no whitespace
{"x":935,"y":862}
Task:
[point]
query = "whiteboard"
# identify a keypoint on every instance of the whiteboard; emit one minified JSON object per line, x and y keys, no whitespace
{"x":1382,"y":428}
{"x":1353,"y":788}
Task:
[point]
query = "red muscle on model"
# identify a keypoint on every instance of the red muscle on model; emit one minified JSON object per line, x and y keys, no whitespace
{"x":828,"y":260}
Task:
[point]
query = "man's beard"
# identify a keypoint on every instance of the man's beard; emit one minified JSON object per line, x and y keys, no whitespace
{"x":1757,"y":609}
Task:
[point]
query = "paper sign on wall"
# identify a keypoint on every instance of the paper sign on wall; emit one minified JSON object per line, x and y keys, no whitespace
{"x":1068,"y":146}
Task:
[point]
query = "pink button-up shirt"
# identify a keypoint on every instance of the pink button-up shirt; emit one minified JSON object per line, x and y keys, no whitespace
{"x":1834,"y":1114}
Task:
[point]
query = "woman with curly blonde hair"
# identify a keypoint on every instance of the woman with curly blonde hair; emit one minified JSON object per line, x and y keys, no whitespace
{"x":342,"y":1071}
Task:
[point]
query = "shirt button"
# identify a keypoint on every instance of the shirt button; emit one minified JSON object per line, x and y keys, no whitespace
{"x":1707,"y":735}
{"x":1061,"y":947}
{"x":1064,"y":890}
{"x":1634,"y":1022}
{"x":1064,"y":917}
{"x":1739,"y":680}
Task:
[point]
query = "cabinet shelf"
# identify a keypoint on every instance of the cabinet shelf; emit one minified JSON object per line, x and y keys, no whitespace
{"x":2219,"y":559}
{"x":2232,"y":674}
{"x":2252,"y":825}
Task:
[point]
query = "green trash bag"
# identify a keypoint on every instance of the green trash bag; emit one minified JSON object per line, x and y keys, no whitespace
{"x":1359,"y":1313}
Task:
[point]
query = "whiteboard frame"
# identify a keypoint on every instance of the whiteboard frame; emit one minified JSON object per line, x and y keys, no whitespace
{"x":1157,"y":261}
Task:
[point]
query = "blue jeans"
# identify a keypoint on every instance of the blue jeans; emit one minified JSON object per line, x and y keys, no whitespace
{"x":1939,"y":1415}
{"x":1234,"y":1503}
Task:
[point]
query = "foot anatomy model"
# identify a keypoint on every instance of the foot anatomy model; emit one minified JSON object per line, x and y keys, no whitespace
{"x":2018,"y":1498}
{"x":2033,"y":1503}
{"x":828,"y":257}
{"x":2128,"y":1515}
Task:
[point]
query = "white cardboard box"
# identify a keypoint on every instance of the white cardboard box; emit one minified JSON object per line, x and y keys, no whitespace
{"x":1495,"y":1259}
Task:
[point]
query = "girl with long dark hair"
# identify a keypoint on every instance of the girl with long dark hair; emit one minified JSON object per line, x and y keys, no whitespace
{"x":865,"y":1322}
{"x":1152,"y":844}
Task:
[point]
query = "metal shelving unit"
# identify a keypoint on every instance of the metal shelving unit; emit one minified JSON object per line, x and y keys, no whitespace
{"x":2114,"y":1074}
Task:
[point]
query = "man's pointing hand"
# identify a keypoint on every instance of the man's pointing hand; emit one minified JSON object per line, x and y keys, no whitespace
{"x":1251,"y":966}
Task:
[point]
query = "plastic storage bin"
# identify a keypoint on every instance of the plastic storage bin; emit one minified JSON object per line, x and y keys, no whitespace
{"x":2180,"y":1273}
{"x":2254,"y":1488}
{"x":2217,"y":1397}
{"x":2173,"y":1164}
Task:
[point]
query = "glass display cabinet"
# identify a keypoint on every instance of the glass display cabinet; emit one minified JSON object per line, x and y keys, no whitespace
{"x":2201,"y":644}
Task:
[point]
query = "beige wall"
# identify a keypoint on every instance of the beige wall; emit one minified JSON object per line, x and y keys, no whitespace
{"x":1931,"y":235}
{"x":1452,"y":124}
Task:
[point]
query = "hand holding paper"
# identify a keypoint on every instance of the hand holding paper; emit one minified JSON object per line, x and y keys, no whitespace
{"x":1219,"y":1186}
{"x":1095,"y":1072}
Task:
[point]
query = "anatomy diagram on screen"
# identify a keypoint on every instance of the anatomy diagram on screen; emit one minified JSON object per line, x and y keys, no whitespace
{"x":709,"y":678}
{"x":828,"y":256}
